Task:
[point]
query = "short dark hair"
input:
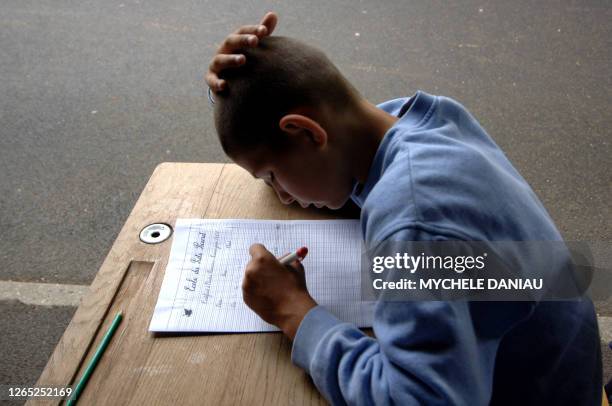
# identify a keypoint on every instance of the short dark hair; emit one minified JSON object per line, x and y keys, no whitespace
{"x":279,"y":75}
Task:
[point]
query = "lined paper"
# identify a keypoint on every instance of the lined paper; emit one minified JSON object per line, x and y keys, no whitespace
{"x":201,"y":290}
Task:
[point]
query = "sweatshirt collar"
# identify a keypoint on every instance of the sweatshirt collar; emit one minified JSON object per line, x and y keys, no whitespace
{"x":411,"y":112}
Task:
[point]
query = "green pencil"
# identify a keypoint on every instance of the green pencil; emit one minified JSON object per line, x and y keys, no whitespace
{"x":94,"y":361}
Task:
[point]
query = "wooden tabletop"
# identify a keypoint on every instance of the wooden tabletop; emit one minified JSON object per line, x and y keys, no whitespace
{"x":141,"y":368}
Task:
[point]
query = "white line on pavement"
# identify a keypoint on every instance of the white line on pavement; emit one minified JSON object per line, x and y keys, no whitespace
{"x":42,"y":294}
{"x":605,"y":328}
{"x":54,"y":294}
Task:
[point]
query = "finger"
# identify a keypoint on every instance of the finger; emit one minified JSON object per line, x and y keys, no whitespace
{"x":236,"y":41}
{"x":213,"y":81}
{"x":259,"y":30}
{"x":298,"y":266}
{"x":223,"y":61}
{"x":258,"y":251}
{"x":269,"y":21}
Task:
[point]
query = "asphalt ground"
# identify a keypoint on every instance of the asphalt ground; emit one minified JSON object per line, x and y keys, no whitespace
{"x":95,"y":94}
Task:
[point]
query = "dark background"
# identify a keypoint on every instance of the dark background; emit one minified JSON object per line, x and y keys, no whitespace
{"x":95,"y":94}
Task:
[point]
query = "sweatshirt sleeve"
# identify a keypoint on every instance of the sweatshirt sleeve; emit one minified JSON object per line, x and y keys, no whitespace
{"x":426,"y":352}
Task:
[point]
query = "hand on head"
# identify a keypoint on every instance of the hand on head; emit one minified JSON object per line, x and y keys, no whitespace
{"x":226,"y":58}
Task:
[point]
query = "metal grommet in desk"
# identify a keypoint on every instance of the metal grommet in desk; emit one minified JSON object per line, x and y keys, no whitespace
{"x":155,"y":233}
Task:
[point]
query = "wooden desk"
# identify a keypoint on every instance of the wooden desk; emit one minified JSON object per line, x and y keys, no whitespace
{"x":141,"y":369}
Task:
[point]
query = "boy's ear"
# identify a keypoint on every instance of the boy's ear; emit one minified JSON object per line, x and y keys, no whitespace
{"x":296,"y":124}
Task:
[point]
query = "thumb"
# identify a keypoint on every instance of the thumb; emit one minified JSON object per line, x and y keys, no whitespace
{"x":259,"y":251}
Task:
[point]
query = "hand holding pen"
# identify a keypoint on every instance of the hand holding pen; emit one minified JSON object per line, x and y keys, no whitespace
{"x":279,"y":296}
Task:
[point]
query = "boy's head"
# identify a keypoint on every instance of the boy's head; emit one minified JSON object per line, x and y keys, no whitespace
{"x":276,"y":117}
{"x":280,"y":75}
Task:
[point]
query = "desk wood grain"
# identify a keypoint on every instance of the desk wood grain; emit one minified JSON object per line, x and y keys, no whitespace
{"x":139,"y":367}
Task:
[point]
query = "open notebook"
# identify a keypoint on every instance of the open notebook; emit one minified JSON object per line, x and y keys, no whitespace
{"x":201,"y":290}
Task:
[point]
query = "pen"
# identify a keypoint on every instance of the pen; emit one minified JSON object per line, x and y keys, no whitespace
{"x":300,"y":254}
{"x":94,"y":360}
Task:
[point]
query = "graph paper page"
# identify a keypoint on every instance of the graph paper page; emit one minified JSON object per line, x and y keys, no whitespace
{"x":201,"y":290}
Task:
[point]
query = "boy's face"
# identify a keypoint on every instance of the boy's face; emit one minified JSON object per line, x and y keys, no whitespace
{"x":304,"y":173}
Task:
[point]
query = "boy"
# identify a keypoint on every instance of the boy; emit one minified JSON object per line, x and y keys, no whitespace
{"x":421,"y":169}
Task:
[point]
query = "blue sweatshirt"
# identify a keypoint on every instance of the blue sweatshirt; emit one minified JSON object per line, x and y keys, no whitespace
{"x":438,"y":175}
